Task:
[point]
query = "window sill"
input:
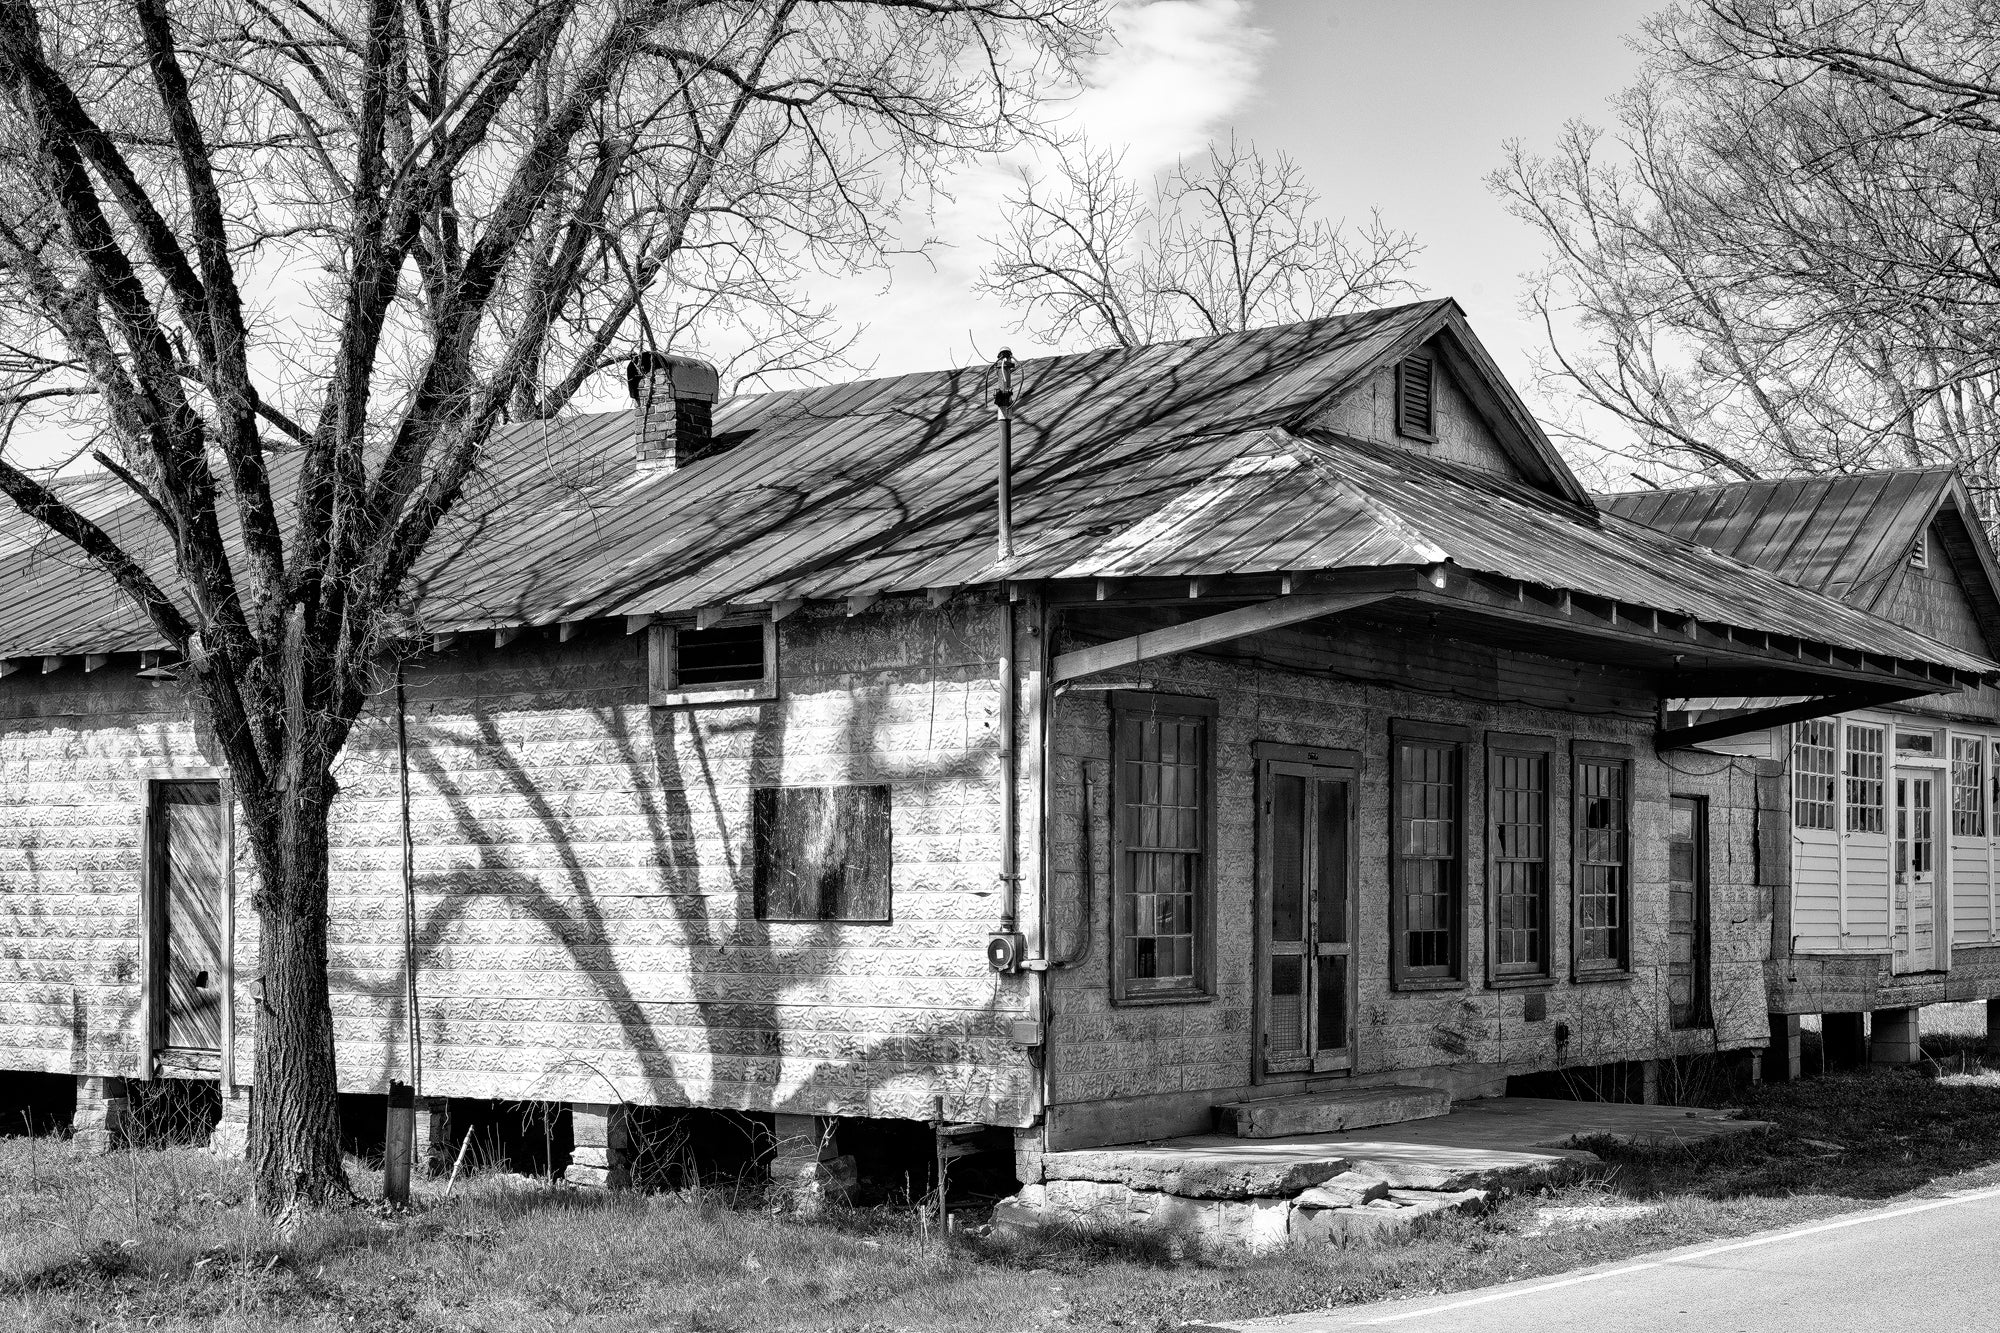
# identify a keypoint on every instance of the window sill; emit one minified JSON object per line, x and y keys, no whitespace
{"x":1538,"y":981}
{"x":1144,"y":1001}
{"x":1591,"y":978}
{"x":755,"y":691}
{"x":1427,"y":983}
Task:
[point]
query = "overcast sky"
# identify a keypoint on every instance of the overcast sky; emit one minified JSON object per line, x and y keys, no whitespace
{"x":1400,"y":105}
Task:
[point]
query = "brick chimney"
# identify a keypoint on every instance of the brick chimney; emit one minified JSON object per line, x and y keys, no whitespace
{"x":673,"y":402}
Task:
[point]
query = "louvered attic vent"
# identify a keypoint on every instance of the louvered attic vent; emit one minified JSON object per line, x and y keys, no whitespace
{"x":1416,"y":397}
{"x":1920,"y":555}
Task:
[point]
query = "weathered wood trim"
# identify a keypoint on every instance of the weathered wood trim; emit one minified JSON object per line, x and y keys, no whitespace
{"x":1221,"y":628}
{"x":1681,"y":738}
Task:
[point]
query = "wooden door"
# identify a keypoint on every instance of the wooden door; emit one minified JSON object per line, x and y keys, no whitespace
{"x":187,"y":884}
{"x":1688,"y":996}
{"x":1913,"y":894}
{"x":1307,"y":923}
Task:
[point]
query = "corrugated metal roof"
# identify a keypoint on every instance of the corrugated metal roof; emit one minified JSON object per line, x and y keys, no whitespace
{"x":1495,"y":526}
{"x":1845,"y":536}
{"x":823,"y":492}
{"x":1189,"y":459}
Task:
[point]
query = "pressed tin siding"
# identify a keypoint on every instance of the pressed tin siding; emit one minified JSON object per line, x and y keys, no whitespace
{"x":583,"y":872}
{"x":75,"y":752}
{"x":1101,"y":1050}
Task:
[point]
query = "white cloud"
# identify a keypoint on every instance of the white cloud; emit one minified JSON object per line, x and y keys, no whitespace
{"x":1176,"y":73}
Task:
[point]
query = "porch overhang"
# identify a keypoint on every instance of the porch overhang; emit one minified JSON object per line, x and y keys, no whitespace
{"x":1684,"y":656}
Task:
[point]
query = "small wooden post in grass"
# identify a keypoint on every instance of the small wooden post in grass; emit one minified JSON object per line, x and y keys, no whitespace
{"x":397,"y":1143}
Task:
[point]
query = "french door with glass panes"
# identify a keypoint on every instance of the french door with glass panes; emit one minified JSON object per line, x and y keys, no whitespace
{"x":1306,"y":926}
{"x":1913,"y":892}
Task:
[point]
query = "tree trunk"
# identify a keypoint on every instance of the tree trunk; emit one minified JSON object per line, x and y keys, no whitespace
{"x":295,"y":1127}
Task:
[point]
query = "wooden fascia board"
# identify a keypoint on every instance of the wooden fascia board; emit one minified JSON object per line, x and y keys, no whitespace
{"x":1749,"y":648}
{"x":1192,"y":635}
{"x":1681,"y":738}
{"x":1168,"y":590}
{"x":1982,"y":580}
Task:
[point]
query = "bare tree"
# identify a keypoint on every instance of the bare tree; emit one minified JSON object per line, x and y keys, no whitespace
{"x":1784,"y":258}
{"x":299,"y":258}
{"x":1232,"y":241}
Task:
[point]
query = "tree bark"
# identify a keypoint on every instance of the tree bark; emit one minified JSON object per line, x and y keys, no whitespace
{"x":295,"y":1128}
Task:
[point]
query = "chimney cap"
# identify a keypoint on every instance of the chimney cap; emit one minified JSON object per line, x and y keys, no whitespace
{"x":687,"y":376}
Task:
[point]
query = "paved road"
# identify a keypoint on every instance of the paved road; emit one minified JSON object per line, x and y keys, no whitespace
{"x":1912,"y":1267}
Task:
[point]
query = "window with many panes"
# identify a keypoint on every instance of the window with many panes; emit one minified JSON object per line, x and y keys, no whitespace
{"x":1814,"y":763}
{"x":1864,"y":778}
{"x":1601,"y":844}
{"x":1517,"y":847}
{"x":1163,"y":792}
{"x":1427,"y":899}
{"x":1968,"y":786}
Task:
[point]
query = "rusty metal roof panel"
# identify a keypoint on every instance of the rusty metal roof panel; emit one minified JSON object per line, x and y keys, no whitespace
{"x":1171,"y":460}
{"x":1495,"y":526}
{"x":1842,"y":535}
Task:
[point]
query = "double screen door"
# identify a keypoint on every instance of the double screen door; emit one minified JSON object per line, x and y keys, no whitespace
{"x":1306,"y":874}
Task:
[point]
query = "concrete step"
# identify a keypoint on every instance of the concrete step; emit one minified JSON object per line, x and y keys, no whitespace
{"x":1329,"y":1112}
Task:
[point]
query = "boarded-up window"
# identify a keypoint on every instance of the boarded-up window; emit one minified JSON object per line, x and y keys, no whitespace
{"x":1517,"y":803}
{"x":822,"y":853}
{"x":1603,"y":871}
{"x":1813,"y":768}
{"x":1427,"y":905}
{"x":1864,"y":779}
{"x":1164,"y":794}
{"x":1968,"y":787}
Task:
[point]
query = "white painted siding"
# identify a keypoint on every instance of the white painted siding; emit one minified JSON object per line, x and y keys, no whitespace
{"x":1970,"y":893}
{"x":1815,"y":889}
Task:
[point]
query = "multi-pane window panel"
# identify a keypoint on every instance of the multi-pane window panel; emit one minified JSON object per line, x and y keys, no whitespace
{"x":1814,"y":763}
{"x":1518,"y":798}
{"x":1968,"y":787}
{"x":1603,"y":864}
{"x":1864,"y":778}
{"x":1163,"y":792}
{"x":1427,"y":855}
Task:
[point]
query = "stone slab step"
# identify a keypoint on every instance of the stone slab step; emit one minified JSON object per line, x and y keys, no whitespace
{"x":1330,"y":1112}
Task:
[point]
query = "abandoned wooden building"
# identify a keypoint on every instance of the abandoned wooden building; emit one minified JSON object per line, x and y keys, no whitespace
{"x":1305,"y":738}
{"x":1895,"y":900}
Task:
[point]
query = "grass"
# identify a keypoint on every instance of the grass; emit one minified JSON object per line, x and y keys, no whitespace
{"x":162,"y":1239}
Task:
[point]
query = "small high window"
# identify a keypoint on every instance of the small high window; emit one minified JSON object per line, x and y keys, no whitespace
{"x":822,"y":853}
{"x":1416,"y":385}
{"x":726,"y":663}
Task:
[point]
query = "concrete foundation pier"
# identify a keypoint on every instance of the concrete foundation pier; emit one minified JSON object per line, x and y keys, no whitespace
{"x":433,"y":1137}
{"x":1893,"y":1037}
{"x":602,"y":1156}
{"x":1785,"y":1061}
{"x":1844,"y":1039}
{"x":1993,"y":1027}
{"x":807,"y":1171}
{"x":230,"y":1139}
{"x":103,"y":1114}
